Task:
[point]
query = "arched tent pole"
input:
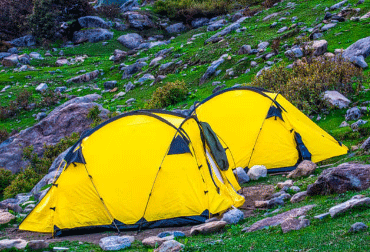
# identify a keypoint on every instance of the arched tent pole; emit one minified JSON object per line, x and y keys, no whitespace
{"x":259,"y":132}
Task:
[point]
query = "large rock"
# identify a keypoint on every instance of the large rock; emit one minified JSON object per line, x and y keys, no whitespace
{"x":170,"y":246}
{"x":10,"y":61}
{"x":5,"y":217}
{"x":358,"y":226}
{"x":304,"y":169}
{"x":154,"y":241}
{"x":199,"y":22}
{"x":345,"y":177}
{"x":176,"y":28}
{"x":294,"y":53}
{"x":116,"y":242}
{"x":25,"y":41}
{"x":92,"y":35}
{"x":208,"y":228}
{"x":138,"y":21}
{"x":366,"y":144}
{"x":129,"y":5}
{"x":338,"y":5}
{"x":358,"y":51}
{"x":233,"y":216}
{"x":348,"y":205}
{"x":319,"y":47}
{"x":4,"y":55}
{"x":278,"y":219}
{"x":336,"y":99}
{"x":84,"y":77}
{"x":294,"y":224}
{"x":132,"y":69}
{"x":61,"y":122}
{"x":353,"y":114}
{"x":131,"y":40}
{"x":257,"y":171}
{"x":226,"y":31}
{"x":93,"y":22}
{"x":212,"y":68}
{"x":11,"y":244}
{"x":216,"y":25}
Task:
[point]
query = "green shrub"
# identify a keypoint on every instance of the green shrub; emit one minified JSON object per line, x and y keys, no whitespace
{"x":48,"y":14}
{"x":304,"y":84}
{"x":93,"y":114}
{"x":6,"y":177}
{"x":110,"y":11}
{"x":169,"y":94}
{"x":51,"y":152}
{"x":49,"y":98}
{"x":23,"y":99}
{"x":23,"y":182}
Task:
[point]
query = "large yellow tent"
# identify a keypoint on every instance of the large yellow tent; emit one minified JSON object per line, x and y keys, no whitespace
{"x":263,"y":128}
{"x":138,"y":170}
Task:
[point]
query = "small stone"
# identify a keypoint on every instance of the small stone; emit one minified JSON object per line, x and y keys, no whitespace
{"x":15,"y":243}
{"x":261,"y":203}
{"x":60,"y":249}
{"x":38,"y":244}
{"x":304,"y":169}
{"x":171,"y":233}
{"x":288,"y":183}
{"x":170,"y":246}
{"x":241,"y":175}
{"x":110,"y":84}
{"x":154,"y":241}
{"x":295,"y":188}
{"x":322,"y":216}
{"x":298,"y":197}
{"x":344,"y":124}
{"x":358,"y":226}
{"x":116,"y":242}
{"x":257,"y":172}
{"x":6,"y":217}
{"x":275,"y":202}
{"x":208,"y":228}
{"x":233,"y":216}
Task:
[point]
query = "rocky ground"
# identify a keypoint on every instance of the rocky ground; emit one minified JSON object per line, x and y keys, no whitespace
{"x":117,"y":65}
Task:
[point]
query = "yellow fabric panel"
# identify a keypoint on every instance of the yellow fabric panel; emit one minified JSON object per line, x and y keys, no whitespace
{"x":178,"y":190}
{"x":41,"y":217}
{"x":175,"y":120}
{"x":123,"y":158}
{"x":276,"y":146}
{"x":320,"y":144}
{"x":236,"y":117}
{"x":77,"y":203}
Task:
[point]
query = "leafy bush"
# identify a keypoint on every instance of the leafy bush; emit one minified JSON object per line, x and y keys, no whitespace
{"x":3,"y":135}
{"x":49,"y":98}
{"x":93,"y":114}
{"x":23,"y":182}
{"x":169,"y":94}
{"x":110,"y":11}
{"x":23,"y":99}
{"x":304,"y":84}
{"x":13,"y":18}
{"x":6,"y":177}
{"x":4,"y":46}
{"x":48,"y":14}
{"x":51,"y":152}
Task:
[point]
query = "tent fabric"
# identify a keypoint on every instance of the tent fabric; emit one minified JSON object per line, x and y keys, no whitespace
{"x":263,"y":128}
{"x":122,"y":175}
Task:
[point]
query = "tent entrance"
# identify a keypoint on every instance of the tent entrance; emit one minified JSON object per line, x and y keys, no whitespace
{"x":214,"y":167}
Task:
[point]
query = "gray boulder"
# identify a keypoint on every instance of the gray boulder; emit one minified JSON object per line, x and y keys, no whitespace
{"x":131,"y":40}
{"x":165,"y":66}
{"x":216,"y":25}
{"x":294,"y":53}
{"x":257,"y":171}
{"x":13,"y":243}
{"x":110,"y":84}
{"x":245,"y":49}
{"x":129,"y":5}
{"x":199,"y":22}
{"x":170,"y":246}
{"x":92,"y":36}
{"x":4,"y":55}
{"x":233,"y":216}
{"x":226,"y":31}
{"x":338,"y":5}
{"x":328,"y":26}
{"x":298,"y":197}
{"x":116,"y":242}
{"x":129,"y":86}
{"x":176,"y":28}
{"x":358,"y":226}
{"x":62,"y":121}
{"x":263,"y":45}
{"x":138,"y":21}
{"x":84,"y":77}
{"x":348,"y":205}
{"x":353,"y":114}
{"x":340,"y":179}
{"x":132,"y":69}
{"x":42,"y":87}
{"x":358,"y":51}
{"x":171,"y":233}
{"x":212,"y":68}
{"x":336,"y":99}
{"x":241,"y":175}
{"x":93,"y":22}
{"x":283,"y":29}
{"x":304,"y":169}
{"x":366,"y":144}
{"x":25,"y":41}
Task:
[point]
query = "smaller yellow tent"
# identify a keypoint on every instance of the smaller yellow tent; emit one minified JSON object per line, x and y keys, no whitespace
{"x":263,"y":128}
{"x":137,"y":170}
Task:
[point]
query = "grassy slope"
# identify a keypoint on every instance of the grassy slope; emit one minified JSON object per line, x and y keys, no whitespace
{"x":326,"y":235}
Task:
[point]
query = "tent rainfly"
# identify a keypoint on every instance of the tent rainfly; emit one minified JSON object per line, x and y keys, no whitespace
{"x":263,"y":128}
{"x":138,"y":170}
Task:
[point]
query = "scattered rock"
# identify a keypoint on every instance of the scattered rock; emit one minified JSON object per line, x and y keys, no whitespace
{"x":288,"y":183}
{"x":110,"y":84}
{"x":263,"y":45}
{"x":119,"y":55}
{"x":304,"y":169}
{"x":84,"y":77}
{"x":170,"y":246}
{"x":278,"y":219}
{"x":283,"y":29}
{"x":340,"y":179}
{"x":295,"y":188}
{"x":212,"y":69}
{"x":294,"y":224}
{"x":358,"y":226}
{"x":241,"y":175}
{"x":129,"y":86}
{"x":25,"y":41}
{"x":233,"y":216}
{"x":42,"y":87}
{"x":61,"y":62}
{"x":9,"y":244}
{"x":358,"y":51}
{"x":199,"y":22}
{"x":93,"y":22}
{"x":138,"y":21}
{"x":319,"y":47}
{"x":171,"y":233}
{"x":353,"y":114}
{"x":165,"y":66}
{"x":128,"y":71}
{"x":154,"y":241}
{"x":225,"y":31}
{"x":349,"y":204}
{"x":216,"y":25}
{"x":91,"y":35}
{"x":207,"y":228}
{"x":336,"y":99}
{"x":328,"y":26}
{"x":275,"y":202}
{"x":10,"y":61}
{"x":176,"y":28}
{"x":357,"y":124}
{"x":322,"y":216}
{"x":294,"y":53}
{"x":344,"y":124}
{"x":245,"y":49}
{"x":116,"y":242}
{"x":298,"y":197}
{"x":5,"y":217}
{"x":338,"y":5}
{"x":130,"y":40}
{"x":257,"y":171}
{"x":38,"y":244}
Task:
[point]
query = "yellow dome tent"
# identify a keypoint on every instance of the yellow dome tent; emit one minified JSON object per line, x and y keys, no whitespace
{"x":137,"y":170}
{"x":263,"y":128}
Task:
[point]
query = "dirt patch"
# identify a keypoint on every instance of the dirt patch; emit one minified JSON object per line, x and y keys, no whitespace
{"x":254,"y":193}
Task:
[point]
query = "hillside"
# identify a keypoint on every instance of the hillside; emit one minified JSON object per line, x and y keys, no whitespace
{"x":146,"y":58}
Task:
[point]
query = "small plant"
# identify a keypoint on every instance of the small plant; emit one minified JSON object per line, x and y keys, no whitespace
{"x":6,"y":177}
{"x":276,"y":45}
{"x":169,"y":94}
{"x":4,"y":134}
{"x":23,"y":182}
{"x":23,"y":99}
{"x":94,"y":115}
{"x":49,"y":98}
